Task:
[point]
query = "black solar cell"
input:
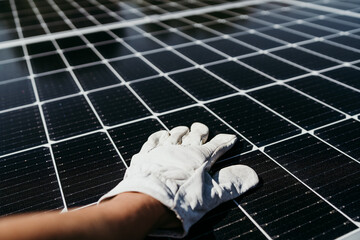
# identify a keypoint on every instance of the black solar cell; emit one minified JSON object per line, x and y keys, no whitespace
{"x":285,"y":208}
{"x":273,"y":67}
{"x":69,"y":117}
{"x":238,"y":75}
{"x":344,"y":135}
{"x":171,"y":38}
{"x":28,"y":183}
{"x":226,"y":222}
{"x":13,"y":70}
{"x":70,"y":42}
{"x":95,"y":76}
{"x":258,"y":41}
{"x":256,"y":123}
{"x":55,"y":85}
{"x":142,"y":44}
{"x":81,"y":56}
{"x":284,"y":35}
{"x":199,"y":54}
{"x":117,"y":105}
{"x":310,"y":29}
{"x":304,"y":59}
{"x":333,"y":175}
{"x":230,"y":48}
{"x":299,"y":109}
{"x":346,"y":75}
{"x":129,"y":138}
{"x":11,"y":53}
{"x":335,"y":52}
{"x":47,"y":63}
{"x":201,"y":84}
{"x":167,"y":61}
{"x":133,"y":68}
{"x":21,"y":129}
{"x":340,"y":97}
{"x":161,"y":95}
{"x":88,"y":167}
{"x":198,"y":33}
{"x":15,"y":94}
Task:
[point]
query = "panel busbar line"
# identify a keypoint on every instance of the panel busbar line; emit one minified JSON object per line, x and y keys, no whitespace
{"x":77,"y":104}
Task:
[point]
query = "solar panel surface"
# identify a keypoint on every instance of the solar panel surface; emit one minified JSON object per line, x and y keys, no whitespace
{"x":83,"y":84}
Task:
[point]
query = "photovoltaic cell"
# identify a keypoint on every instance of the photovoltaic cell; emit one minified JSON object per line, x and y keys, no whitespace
{"x":338,"y":96}
{"x":199,"y":54}
{"x":81,"y":56}
{"x":13,"y":70}
{"x":273,"y":67}
{"x":285,"y":35}
{"x":333,"y":175}
{"x":301,"y":110}
{"x":230,"y":48}
{"x":346,"y":75}
{"x":161,"y":95}
{"x":133,"y":68}
{"x":256,"y":123}
{"x":238,"y":75}
{"x":11,"y":53}
{"x":112,"y":50}
{"x":335,"y":52}
{"x":198,"y":33}
{"x":347,"y":41}
{"x":15,"y":94}
{"x":70,"y":42}
{"x":171,"y":38}
{"x":258,"y":41}
{"x":285,"y":208}
{"x":167,"y":61}
{"x":88,"y":168}
{"x":95,"y":76}
{"x":117,"y":105}
{"x":42,"y":47}
{"x":47,"y":63}
{"x":55,"y":85}
{"x":225,"y":222}
{"x":201,"y":84}
{"x":28,"y":183}
{"x":129,"y":138}
{"x":143,"y":44}
{"x":21,"y":129}
{"x":344,"y":135}
{"x":304,"y":59}
{"x":69,"y":117}
{"x":310,"y":29}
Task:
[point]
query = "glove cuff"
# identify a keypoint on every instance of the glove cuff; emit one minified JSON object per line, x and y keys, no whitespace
{"x":148,"y":185}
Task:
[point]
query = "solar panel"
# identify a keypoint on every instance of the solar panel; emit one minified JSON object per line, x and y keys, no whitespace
{"x":84,"y":83}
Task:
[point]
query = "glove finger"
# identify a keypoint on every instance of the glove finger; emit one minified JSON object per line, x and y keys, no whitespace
{"x":217,"y":147}
{"x":153,"y":140}
{"x":235,"y":180}
{"x":176,"y":134}
{"x":198,"y":135}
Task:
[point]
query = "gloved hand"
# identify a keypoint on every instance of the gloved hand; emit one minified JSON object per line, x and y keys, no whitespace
{"x":172,"y":167}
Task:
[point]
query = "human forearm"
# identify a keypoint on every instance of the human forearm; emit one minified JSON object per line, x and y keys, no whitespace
{"x":126,"y":216}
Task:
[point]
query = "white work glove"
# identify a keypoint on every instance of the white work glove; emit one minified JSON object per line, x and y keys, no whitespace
{"x":172,"y":167}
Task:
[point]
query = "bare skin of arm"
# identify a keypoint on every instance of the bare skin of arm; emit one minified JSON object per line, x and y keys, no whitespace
{"x":129,"y":215}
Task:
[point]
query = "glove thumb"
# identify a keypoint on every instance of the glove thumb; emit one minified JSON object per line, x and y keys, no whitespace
{"x":235,"y":180}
